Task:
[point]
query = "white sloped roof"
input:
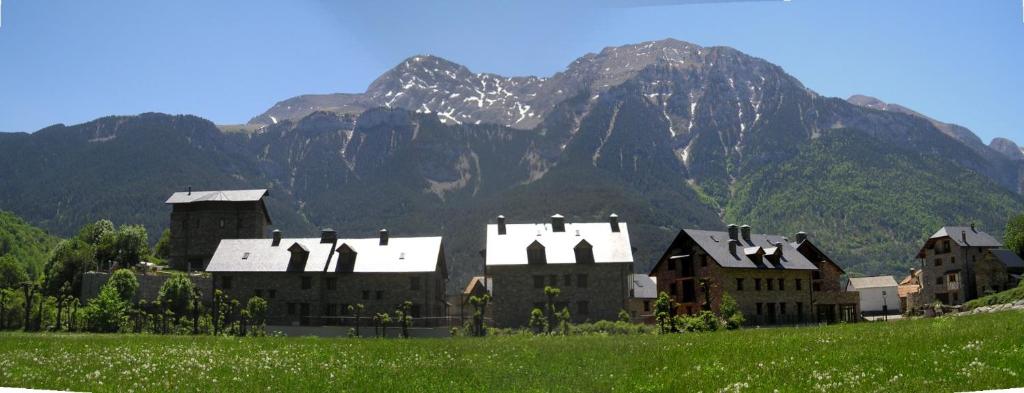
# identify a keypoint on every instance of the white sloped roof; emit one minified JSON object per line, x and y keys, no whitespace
{"x":402,"y":254}
{"x":873,"y":282}
{"x":510,"y":248}
{"x":217,"y":196}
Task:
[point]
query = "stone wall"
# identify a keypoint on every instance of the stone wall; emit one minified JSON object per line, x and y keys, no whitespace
{"x":198,"y":228}
{"x":377,"y":292}
{"x":516,"y":293}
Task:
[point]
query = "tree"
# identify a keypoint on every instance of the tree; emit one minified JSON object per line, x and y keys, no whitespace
{"x":663,"y":312}
{"x":126,"y":284}
{"x":29,"y":289}
{"x":131,"y":245}
{"x":624,"y":316}
{"x":402,"y":315}
{"x":257,"y":310}
{"x":538,"y":321}
{"x":563,"y":320}
{"x":383,"y":320}
{"x":731,"y":312}
{"x":479,"y":304}
{"x":69,"y":260}
{"x":162,"y":249}
{"x":93,"y":233}
{"x":11,"y":272}
{"x":176,"y":294}
{"x":105,"y":312}
{"x":356,"y":311}
{"x":1013,"y":239}
{"x":551,"y":293}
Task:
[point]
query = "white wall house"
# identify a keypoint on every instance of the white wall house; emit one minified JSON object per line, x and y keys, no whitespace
{"x":876,"y":293}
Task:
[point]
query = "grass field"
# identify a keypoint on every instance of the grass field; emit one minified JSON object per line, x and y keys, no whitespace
{"x":935,"y":355}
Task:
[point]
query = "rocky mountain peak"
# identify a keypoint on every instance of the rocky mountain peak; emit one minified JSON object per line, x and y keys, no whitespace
{"x":1007,"y":148}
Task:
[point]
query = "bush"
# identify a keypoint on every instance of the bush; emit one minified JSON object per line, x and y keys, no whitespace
{"x":176,"y":294}
{"x":106,"y":312}
{"x":126,"y":284}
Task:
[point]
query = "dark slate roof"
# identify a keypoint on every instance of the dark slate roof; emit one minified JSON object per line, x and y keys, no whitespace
{"x":716,"y":244}
{"x":1007,"y":257}
{"x":973,"y":236}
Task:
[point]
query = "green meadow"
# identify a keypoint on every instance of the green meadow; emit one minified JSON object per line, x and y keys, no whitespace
{"x":947,"y":354}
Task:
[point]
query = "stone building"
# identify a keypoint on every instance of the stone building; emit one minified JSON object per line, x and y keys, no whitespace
{"x":589,"y":262}
{"x":958,"y":264}
{"x":772,"y":280}
{"x":200,"y":219}
{"x":643,"y":292}
{"x":312,"y":281}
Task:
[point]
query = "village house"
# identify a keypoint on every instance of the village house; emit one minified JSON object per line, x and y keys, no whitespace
{"x":200,"y":219}
{"x":643,"y":292}
{"x":312,"y":281}
{"x":878,"y":295}
{"x":772,"y":280}
{"x":590,"y":263}
{"x":909,"y":288}
{"x":959,"y":264}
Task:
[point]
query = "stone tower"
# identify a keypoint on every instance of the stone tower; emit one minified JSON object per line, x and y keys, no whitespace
{"x":201,"y":219}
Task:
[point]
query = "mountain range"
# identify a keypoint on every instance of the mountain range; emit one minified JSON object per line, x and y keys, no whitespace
{"x":667,"y":134}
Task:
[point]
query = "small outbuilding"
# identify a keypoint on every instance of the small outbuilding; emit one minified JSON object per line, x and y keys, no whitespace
{"x":878,"y":295}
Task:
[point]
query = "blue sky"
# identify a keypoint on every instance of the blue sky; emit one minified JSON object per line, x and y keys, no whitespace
{"x":69,"y":61}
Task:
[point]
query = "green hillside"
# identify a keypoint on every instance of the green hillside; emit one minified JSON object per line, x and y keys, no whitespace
{"x":27,"y":244}
{"x":869,"y":204}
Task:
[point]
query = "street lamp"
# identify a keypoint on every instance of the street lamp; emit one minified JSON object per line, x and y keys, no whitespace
{"x":885,"y":307}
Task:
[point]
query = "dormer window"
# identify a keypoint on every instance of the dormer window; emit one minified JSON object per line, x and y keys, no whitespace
{"x":536,"y":254}
{"x":346,"y":258}
{"x":584,"y":252}
{"x":299,"y":256}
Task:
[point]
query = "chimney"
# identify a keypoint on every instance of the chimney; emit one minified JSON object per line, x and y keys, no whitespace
{"x":733,"y":232}
{"x":963,"y":236}
{"x":800,"y":237}
{"x":328,"y":235}
{"x":613,"y":219}
{"x":277,"y":238}
{"x":973,"y":229}
{"x":733,"y":245}
{"x":778,"y":246}
{"x":501,"y":225}
{"x":745,"y":232}
{"x":190,"y":190}
{"x":383,"y":237}
{"x":557,"y":223}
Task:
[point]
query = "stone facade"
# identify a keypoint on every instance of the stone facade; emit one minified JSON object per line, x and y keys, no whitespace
{"x":197,"y":228}
{"x":765,"y":296}
{"x":947,"y":272}
{"x":316,"y":299}
{"x":591,"y":292}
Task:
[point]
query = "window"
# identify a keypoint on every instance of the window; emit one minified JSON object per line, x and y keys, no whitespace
{"x":583,"y":308}
{"x":703,"y":261}
{"x":799,"y":284}
{"x":567,"y":279}
{"x":380,"y":295}
{"x":257,"y":293}
{"x":938,"y":261}
{"x":222,"y":224}
{"x":782,"y":308}
{"x":739,"y":284}
{"x":307,"y":282}
{"x":331,"y":283}
{"x":770,"y":283}
{"x":800,"y":311}
{"x":366,"y":295}
{"x":816,"y":275}
{"x":416,"y":311}
{"x":673,"y":289}
{"x":553,"y":280}
{"x":757,"y":284}
{"x":952,"y":278}
{"x":581,"y":280}
{"x":414,"y":283}
{"x":291,"y":308}
{"x":782,"y":284}
{"x":584,"y":252}
{"x":689,"y":292}
{"x":272,"y":293}
{"x":225,"y":282}
{"x":952,"y":260}
{"x":535,"y":254}
{"x":758,"y":308}
{"x":647,"y":306}
{"x":938,"y":280}
{"x":538,"y":282}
